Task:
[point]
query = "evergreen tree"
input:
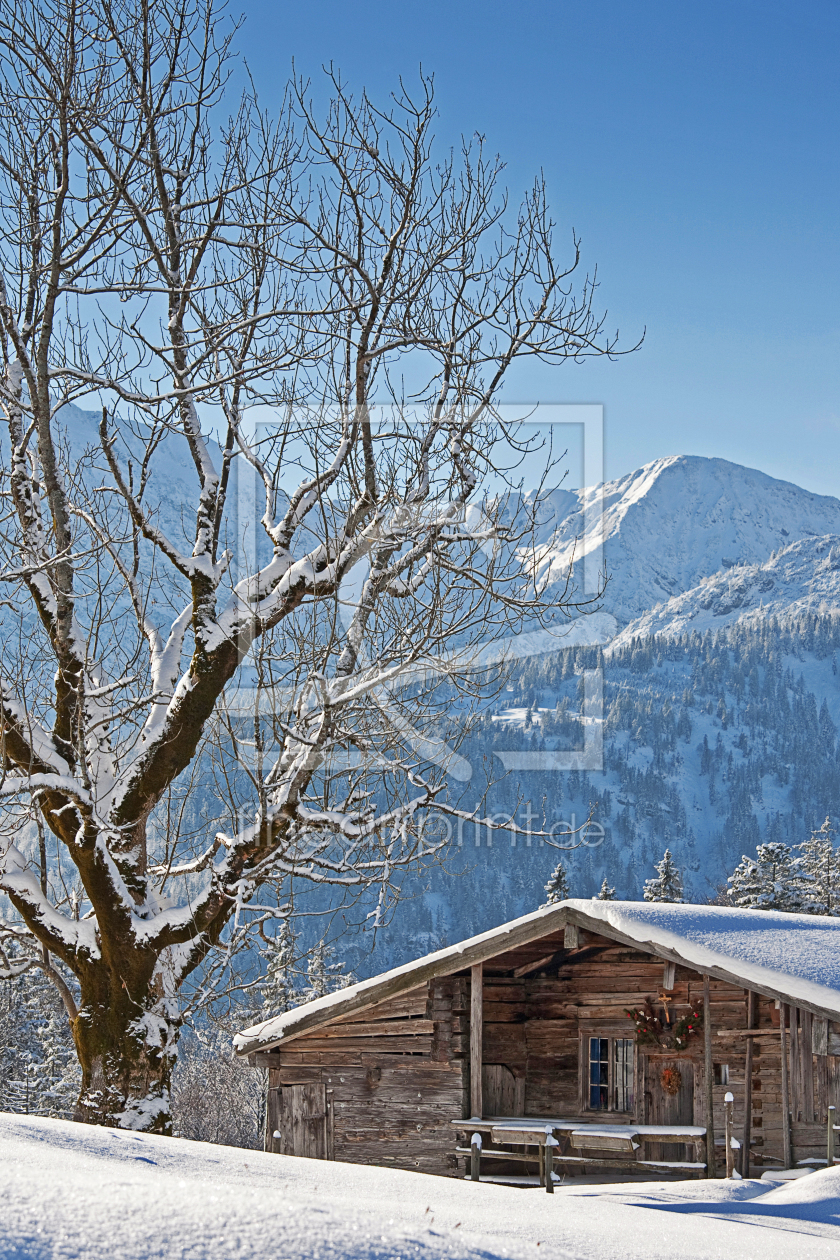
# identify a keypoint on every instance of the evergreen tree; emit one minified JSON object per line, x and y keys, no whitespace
{"x":39,"y":1072}
{"x":667,"y":885}
{"x":557,"y":888}
{"x":280,"y":992}
{"x":606,"y":893}
{"x":772,"y":880}
{"x":324,"y":974}
{"x":819,"y":872}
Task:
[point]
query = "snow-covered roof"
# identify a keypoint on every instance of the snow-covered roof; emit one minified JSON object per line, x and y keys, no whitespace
{"x":795,"y":957}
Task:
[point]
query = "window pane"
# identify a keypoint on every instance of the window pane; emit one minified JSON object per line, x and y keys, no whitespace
{"x":623,"y":1073}
{"x":599,"y":1073}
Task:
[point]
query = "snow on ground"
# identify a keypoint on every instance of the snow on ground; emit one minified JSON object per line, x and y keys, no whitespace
{"x":70,"y":1192}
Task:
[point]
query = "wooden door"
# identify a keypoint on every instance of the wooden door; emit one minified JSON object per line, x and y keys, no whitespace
{"x":299,"y":1115}
{"x":666,"y":1107}
{"x":503,"y":1093}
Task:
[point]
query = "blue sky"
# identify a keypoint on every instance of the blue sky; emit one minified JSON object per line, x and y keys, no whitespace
{"x":694,"y":148}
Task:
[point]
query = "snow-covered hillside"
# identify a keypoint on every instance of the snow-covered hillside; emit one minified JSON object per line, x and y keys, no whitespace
{"x":676,"y":521}
{"x":803,"y":577}
{"x":72,"y":1192}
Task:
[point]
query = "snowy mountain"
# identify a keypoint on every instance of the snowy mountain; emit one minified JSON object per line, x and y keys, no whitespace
{"x":666,"y":528}
{"x":721,"y":697}
{"x":804,"y":577}
{"x":674,"y":522}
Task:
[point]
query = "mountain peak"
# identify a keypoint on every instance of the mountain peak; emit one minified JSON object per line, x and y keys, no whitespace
{"x":675,"y":521}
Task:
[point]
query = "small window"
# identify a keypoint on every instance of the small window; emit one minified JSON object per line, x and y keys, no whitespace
{"x":721,"y":1073}
{"x":611,"y":1067}
{"x":599,"y":1073}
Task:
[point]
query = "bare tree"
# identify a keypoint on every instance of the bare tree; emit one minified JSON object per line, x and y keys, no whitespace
{"x":164,"y":255}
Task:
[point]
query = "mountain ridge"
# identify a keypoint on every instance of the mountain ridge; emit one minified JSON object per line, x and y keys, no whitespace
{"x":674,"y":522}
{"x":802,"y":577}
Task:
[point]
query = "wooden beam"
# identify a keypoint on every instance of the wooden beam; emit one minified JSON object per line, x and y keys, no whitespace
{"x":797,"y":1108}
{"x":832,"y":1114}
{"x":476,"y":1038}
{"x":709,"y":1079}
{"x":728,"y":1114}
{"x":669,"y":976}
{"x":786,"y":1156}
{"x":752,"y":1005}
{"x":806,"y":1066}
{"x":475,"y":1157}
{"x":539,"y":965}
{"x":746,"y":1032}
{"x":561,"y":958}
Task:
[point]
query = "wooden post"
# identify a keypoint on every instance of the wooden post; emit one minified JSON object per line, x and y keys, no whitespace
{"x":548,"y":1162}
{"x":709,"y":1081}
{"x":786,"y":1155}
{"x":806,"y":1065}
{"x":728,"y":1104}
{"x":475,"y":1157}
{"x":748,"y":1071}
{"x":794,"y":1073}
{"x":476,"y":1039}
{"x":829,"y":1154}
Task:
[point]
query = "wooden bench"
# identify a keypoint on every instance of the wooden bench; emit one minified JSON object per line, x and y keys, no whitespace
{"x":523,"y":1134}
{"x":598,"y":1138}
{"x":600,"y":1145}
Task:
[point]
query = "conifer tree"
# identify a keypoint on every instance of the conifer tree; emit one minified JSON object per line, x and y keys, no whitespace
{"x":606,"y":893}
{"x":324,"y":974}
{"x":279,"y":991}
{"x":819,"y":872}
{"x":39,"y":1073}
{"x":772,"y":880}
{"x":557,"y":888}
{"x":667,"y":884}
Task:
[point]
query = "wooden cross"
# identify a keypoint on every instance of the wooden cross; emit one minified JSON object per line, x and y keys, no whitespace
{"x":665,"y":1000}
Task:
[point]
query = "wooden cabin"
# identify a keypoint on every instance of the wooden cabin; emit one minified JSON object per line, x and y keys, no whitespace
{"x":523,"y":1033}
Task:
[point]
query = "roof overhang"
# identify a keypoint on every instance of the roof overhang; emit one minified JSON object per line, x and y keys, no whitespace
{"x":820,"y":1000}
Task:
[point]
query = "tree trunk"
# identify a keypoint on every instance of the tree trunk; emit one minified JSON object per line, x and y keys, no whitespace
{"x":127,"y":1044}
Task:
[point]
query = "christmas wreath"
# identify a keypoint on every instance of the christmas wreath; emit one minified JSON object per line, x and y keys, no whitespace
{"x":671,"y":1079}
{"x":651,"y":1031}
{"x":648,"y":1025}
{"x":685,"y":1028}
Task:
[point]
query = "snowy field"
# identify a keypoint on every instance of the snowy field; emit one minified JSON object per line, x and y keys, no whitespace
{"x":70,"y":1191}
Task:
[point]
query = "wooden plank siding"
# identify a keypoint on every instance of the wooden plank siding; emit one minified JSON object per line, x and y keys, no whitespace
{"x":398,"y":1073}
{"x":395,"y":1076}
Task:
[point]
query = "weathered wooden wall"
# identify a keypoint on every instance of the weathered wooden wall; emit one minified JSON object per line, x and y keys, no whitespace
{"x":394,"y":1077}
{"x":534,"y":1025}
